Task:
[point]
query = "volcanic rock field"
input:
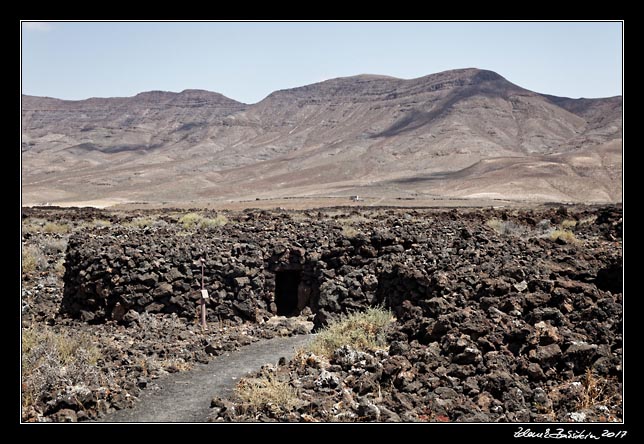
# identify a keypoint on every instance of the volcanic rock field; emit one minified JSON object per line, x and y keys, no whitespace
{"x":501,"y":315}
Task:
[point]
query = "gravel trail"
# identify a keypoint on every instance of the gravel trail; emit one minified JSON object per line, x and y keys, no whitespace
{"x":186,"y":396}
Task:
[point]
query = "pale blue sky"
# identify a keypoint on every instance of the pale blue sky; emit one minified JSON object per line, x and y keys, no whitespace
{"x":246,"y":61}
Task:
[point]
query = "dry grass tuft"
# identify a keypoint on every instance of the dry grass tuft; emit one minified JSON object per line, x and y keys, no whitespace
{"x":192,"y":221}
{"x":59,"y":267}
{"x":588,"y":220}
{"x":362,"y":331}
{"x":566,"y":236}
{"x":139,"y":222}
{"x":596,"y":391}
{"x":101,"y":223}
{"x":56,"y":228}
{"x":568,"y":224}
{"x":33,"y":259}
{"x":217,"y":221}
{"x":266,"y":389}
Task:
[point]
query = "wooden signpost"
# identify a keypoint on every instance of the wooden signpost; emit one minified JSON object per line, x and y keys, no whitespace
{"x":204,"y":298}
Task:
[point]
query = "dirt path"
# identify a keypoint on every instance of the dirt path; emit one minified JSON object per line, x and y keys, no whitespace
{"x":185,"y":397}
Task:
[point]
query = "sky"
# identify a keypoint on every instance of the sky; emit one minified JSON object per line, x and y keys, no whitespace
{"x":246,"y":61}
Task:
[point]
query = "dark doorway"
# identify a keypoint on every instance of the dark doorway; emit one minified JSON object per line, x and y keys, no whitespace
{"x":287,"y":285}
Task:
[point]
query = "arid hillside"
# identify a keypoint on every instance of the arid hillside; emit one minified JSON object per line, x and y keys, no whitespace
{"x":464,"y":133}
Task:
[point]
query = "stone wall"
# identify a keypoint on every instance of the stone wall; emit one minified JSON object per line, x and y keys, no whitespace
{"x":401,"y":259}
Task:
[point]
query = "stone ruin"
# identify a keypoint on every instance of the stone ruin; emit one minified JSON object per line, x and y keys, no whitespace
{"x":265,"y":264}
{"x":251,"y":272}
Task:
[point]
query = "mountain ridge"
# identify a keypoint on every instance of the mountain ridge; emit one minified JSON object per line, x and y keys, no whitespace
{"x":338,"y":135}
{"x":363,"y":76}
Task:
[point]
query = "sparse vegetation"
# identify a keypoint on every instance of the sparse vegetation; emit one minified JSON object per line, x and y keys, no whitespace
{"x":349,"y":231}
{"x":33,"y":259}
{"x":52,"y":246}
{"x":588,"y":220}
{"x":56,"y":228}
{"x":193,"y":221}
{"x":59,"y":267}
{"x":353,"y":219}
{"x":190,"y":220}
{"x":505,"y":228}
{"x":31,"y":225}
{"x":568,"y":224}
{"x":350,"y":223}
{"x":99,"y":223}
{"x":140,"y":222}
{"x":596,"y":391}
{"x":53,"y":361}
{"x":495,"y":224}
{"x":565,"y":235}
{"x":218,"y":221}
{"x":362,"y":331}
{"x":266,"y":389}
{"x":175,"y":365}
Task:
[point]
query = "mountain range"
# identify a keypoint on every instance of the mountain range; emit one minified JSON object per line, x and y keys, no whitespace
{"x":466,"y":134}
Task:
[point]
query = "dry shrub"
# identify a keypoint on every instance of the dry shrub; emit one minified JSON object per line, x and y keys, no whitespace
{"x":173,"y":365}
{"x":349,"y":231}
{"x":350,"y":224}
{"x":32,"y":225}
{"x":362,"y":331}
{"x":190,"y":220}
{"x":33,"y":259}
{"x":265,"y":389}
{"x":52,"y":246}
{"x":353,"y":219}
{"x":495,"y":224}
{"x":53,"y":362}
{"x":506,"y":228}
